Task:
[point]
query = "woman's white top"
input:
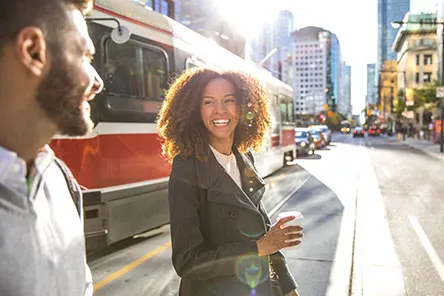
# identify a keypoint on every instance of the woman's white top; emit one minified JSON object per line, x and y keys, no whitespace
{"x":228,"y":162}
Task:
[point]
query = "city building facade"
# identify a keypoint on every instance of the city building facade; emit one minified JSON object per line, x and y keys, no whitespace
{"x":416,"y":46}
{"x":165,"y":7}
{"x":440,"y":40}
{"x":203,"y":17}
{"x":308,"y":60}
{"x":388,"y":11}
{"x":370,"y":97}
{"x":334,"y":70}
{"x":344,"y":104}
{"x":388,"y":92}
{"x":315,"y":65}
{"x":274,"y":34}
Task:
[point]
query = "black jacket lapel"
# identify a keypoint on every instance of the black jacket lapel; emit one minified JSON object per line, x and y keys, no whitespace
{"x":252,"y":183}
{"x":221,"y":188}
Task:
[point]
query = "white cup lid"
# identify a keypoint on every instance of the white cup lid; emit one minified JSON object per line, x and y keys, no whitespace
{"x":297,"y":214}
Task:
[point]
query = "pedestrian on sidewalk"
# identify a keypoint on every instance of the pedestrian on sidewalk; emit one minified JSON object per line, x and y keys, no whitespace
{"x":45,"y":82}
{"x":222,"y":239}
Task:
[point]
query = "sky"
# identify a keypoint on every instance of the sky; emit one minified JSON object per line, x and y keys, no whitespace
{"x":355,"y":22}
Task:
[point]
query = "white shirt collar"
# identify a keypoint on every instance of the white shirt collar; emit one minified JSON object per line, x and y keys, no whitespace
{"x":13,"y":169}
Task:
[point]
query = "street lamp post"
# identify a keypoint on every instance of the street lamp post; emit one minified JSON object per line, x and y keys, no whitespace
{"x":396,"y":25}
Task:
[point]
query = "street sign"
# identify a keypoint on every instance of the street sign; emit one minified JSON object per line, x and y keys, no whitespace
{"x":440,"y":92}
{"x":408,"y":114}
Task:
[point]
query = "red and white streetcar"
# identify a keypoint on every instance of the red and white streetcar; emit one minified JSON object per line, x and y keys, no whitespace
{"x":119,"y":164}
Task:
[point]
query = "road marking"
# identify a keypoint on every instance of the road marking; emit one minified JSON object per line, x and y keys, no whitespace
{"x":129,"y":267}
{"x":433,"y":255}
{"x":286,"y":198}
{"x":385,"y":171}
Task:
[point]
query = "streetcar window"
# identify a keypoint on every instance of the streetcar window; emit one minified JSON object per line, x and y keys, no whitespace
{"x":135,"y":76}
{"x":193,"y":62}
{"x":284,"y":111}
{"x":290,"y":108}
{"x":287,"y":110}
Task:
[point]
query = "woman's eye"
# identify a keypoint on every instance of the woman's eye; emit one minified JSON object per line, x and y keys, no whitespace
{"x":230,"y":101}
{"x":208,"y":102}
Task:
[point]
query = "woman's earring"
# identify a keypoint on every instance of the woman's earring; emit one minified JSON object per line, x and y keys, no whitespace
{"x":250,"y":115}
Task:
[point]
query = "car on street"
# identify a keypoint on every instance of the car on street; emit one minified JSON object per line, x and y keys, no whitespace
{"x":318,"y":138}
{"x":374,"y":131}
{"x":304,"y":142}
{"x":358,"y":132}
{"x":326,"y":131}
{"x":345,"y":127}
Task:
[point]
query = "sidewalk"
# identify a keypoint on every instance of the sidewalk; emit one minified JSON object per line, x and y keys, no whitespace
{"x":424,"y":145}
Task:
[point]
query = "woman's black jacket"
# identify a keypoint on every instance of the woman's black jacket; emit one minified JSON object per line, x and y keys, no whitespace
{"x":214,"y":228}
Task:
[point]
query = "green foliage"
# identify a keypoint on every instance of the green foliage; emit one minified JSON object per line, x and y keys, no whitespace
{"x":334,"y":121}
{"x":424,"y":95}
{"x":399,"y":108}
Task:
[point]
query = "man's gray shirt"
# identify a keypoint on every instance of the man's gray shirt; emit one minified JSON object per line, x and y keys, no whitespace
{"x":42,"y":248}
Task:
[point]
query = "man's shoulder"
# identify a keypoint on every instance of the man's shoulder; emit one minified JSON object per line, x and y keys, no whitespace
{"x":11,"y":201}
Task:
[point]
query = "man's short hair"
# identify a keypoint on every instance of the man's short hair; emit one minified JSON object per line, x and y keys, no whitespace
{"x":49,"y":15}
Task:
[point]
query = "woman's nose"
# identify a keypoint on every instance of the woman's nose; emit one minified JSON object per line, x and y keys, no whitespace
{"x":220,"y":107}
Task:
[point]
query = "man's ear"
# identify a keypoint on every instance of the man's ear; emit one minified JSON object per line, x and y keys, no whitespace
{"x":31,"y":49}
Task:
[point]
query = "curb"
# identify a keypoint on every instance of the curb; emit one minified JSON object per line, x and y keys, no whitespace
{"x":417,"y":148}
{"x":287,"y":197}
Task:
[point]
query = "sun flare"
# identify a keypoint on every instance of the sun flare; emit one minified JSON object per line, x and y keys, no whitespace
{"x":247,"y":15}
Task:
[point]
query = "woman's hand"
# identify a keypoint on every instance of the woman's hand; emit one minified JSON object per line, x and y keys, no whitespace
{"x":292,"y":293}
{"x":279,"y":237}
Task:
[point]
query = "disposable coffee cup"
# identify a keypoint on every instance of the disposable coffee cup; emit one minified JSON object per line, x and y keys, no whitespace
{"x":295,"y":222}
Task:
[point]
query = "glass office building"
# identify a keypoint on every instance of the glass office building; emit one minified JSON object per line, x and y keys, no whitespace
{"x":389,"y":11}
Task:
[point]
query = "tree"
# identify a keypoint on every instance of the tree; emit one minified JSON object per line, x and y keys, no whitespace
{"x":426,"y":95}
{"x":399,"y":108}
{"x":333,"y":121}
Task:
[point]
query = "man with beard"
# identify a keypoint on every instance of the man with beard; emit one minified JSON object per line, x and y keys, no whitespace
{"x":46,"y":81}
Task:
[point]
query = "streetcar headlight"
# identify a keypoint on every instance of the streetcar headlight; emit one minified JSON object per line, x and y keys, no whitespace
{"x":303,"y":144}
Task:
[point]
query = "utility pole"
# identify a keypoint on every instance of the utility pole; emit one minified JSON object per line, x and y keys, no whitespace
{"x":441,"y":105}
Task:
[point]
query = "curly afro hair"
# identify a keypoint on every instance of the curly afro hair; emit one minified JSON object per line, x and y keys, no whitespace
{"x":180,"y":125}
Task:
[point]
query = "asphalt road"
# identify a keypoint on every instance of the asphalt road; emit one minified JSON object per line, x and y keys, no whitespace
{"x":411,"y":184}
{"x":142,"y":266}
{"x":372,"y":224}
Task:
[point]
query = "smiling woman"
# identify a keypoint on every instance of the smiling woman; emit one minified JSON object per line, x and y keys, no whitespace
{"x":222,"y":238}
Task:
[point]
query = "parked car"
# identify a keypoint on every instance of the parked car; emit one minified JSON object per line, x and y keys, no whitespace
{"x":358,"y":132}
{"x":304,"y":142}
{"x":318,"y":138}
{"x":326,"y":131}
{"x":374,"y":131}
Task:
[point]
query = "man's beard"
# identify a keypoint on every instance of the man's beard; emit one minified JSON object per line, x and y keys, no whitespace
{"x":60,"y":95}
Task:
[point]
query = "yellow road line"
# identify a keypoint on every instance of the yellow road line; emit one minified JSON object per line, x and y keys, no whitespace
{"x":129,"y":267}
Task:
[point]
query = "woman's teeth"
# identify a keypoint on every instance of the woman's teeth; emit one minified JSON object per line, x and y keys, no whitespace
{"x":221,"y":122}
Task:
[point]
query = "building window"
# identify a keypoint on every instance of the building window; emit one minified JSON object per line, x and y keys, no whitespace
{"x":428,"y":42}
{"x":427,"y":59}
{"x":417,"y":61}
{"x":427,"y":77}
{"x":417,"y":78}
